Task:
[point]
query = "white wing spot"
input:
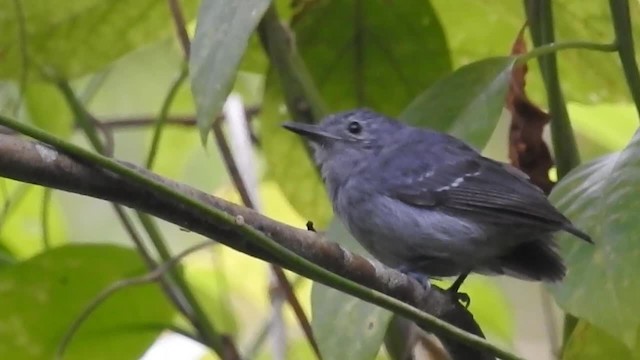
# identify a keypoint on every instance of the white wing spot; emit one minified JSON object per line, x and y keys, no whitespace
{"x":46,"y":153}
{"x":457,"y":182}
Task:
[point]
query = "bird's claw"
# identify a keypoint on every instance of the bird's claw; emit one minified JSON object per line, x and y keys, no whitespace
{"x":461,"y":297}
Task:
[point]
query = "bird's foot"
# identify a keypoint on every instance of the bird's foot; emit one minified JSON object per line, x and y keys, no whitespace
{"x":462,"y":298}
{"x":454,"y":291}
{"x":421,"y":278}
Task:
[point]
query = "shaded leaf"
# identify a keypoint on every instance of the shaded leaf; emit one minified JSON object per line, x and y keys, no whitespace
{"x":587,"y":342}
{"x":289,"y":163}
{"x":48,"y":109}
{"x":222,"y":34}
{"x":75,"y":37}
{"x":602,"y":286}
{"x":377,"y":53}
{"x":346,"y":327}
{"x":467,"y":103}
{"x":527,"y":149}
{"x":67,"y":279}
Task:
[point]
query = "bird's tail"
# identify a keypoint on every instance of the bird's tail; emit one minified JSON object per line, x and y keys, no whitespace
{"x":577,"y":232}
{"x":534,"y":260}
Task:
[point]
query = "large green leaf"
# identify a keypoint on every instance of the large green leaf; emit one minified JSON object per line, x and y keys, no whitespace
{"x":74,"y":37}
{"x":222,"y":35}
{"x":372,"y":53}
{"x":40,"y":297}
{"x":602,"y":285}
{"x":466,"y":103}
{"x":587,"y":342}
{"x":289,"y":163}
{"x":346,"y":327}
{"x":489,"y":29}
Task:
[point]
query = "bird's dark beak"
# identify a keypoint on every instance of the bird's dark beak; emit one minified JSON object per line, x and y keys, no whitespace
{"x":309,"y":131}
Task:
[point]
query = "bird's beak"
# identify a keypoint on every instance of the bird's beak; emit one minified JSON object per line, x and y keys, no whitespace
{"x":309,"y":131}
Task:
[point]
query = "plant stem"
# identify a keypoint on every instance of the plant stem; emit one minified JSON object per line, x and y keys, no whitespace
{"x":179,"y":290}
{"x":251,"y":235}
{"x":82,"y":118}
{"x":164,"y":114}
{"x":540,"y":16}
{"x":565,"y":45}
{"x":626,"y":52}
{"x":301,"y":96}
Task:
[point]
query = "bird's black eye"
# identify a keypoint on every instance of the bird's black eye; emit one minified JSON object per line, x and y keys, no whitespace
{"x":354,"y":127}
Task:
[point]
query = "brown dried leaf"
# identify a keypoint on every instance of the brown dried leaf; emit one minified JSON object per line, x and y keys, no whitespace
{"x":527,"y":149}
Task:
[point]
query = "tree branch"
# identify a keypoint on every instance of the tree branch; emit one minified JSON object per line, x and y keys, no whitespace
{"x":244,"y":230}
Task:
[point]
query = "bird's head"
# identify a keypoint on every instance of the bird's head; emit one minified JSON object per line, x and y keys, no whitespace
{"x":349,"y":137}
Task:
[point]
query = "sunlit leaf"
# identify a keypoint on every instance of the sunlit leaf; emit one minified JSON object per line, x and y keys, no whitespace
{"x":48,"y":109}
{"x":489,"y":306}
{"x":346,"y":327}
{"x":40,"y":297}
{"x":466,"y":103}
{"x":602,"y":286}
{"x":21,"y":230}
{"x":75,"y":37}
{"x":587,"y":342}
{"x":356,"y":56}
{"x":222,"y":35}
{"x":212,"y":290}
{"x":489,"y":27}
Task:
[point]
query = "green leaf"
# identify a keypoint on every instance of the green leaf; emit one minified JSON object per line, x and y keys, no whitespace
{"x":40,"y":297}
{"x":489,"y":306}
{"x":587,"y":342}
{"x":212,"y":290}
{"x":467,"y":103}
{"x":71,"y":38}
{"x":21,"y":225}
{"x":6,"y":258}
{"x":372,"y":53}
{"x":346,"y":327}
{"x":489,"y":29}
{"x":289,"y":163}
{"x":222,"y":35}
{"x":602,"y":286}
{"x":48,"y":109}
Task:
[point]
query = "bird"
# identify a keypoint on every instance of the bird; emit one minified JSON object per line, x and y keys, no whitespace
{"x":427,"y":203}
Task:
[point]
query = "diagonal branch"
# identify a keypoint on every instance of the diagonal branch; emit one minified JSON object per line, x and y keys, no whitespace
{"x":245,"y":230}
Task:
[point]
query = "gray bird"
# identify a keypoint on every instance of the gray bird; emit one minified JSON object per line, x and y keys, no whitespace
{"x":427,"y":203}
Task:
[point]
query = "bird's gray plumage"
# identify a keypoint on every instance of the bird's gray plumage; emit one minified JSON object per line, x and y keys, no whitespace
{"x":425,"y":201}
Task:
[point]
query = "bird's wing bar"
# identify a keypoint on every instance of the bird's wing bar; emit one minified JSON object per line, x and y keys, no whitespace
{"x":481,"y":186}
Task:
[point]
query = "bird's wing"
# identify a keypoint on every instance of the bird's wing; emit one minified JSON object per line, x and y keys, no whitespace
{"x":464,"y":181}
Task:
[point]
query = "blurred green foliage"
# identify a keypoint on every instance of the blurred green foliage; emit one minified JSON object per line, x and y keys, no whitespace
{"x":396,"y":57}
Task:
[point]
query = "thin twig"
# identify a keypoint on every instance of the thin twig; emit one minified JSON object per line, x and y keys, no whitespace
{"x":236,"y":177}
{"x":45,"y":215}
{"x":175,"y":287}
{"x":222,"y":344}
{"x":626,"y":47}
{"x":164,"y":113}
{"x":180,"y":27}
{"x":150,"y":277}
